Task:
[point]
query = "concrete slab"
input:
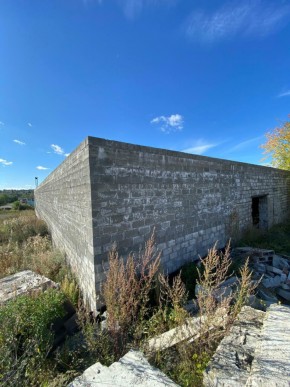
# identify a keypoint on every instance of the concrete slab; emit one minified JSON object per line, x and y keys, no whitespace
{"x":231,"y":364}
{"x":132,"y":369}
{"x":188,"y":331}
{"x":23,"y":282}
{"x":271,"y":364}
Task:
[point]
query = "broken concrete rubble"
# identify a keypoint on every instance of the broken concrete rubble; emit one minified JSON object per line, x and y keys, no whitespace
{"x":24,"y":282}
{"x":271,"y":268}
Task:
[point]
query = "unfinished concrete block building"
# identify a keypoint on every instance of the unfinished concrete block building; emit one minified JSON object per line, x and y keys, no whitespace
{"x":108,"y":191}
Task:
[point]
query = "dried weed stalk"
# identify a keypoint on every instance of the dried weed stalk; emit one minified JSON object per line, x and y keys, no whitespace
{"x":126,"y":290}
{"x":220,"y":306}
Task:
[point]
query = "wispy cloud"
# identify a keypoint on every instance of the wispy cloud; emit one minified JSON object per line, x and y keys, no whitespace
{"x":5,"y":162}
{"x":169,"y":124}
{"x":41,"y":168}
{"x":29,"y":124}
{"x":19,"y":142}
{"x":246,"y":144}
{"x":58,"y":150}
{"x":133,"y":8}
{"x":284,"y":94}
{"x":1,"y":123}
{"x":199,"y":147}
{"x":248,"y":18}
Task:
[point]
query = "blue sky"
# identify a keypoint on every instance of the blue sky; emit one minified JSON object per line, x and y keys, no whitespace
{"x":201,"y":76}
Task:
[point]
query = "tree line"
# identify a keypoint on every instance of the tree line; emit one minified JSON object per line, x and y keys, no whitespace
{"x":11,"y":195}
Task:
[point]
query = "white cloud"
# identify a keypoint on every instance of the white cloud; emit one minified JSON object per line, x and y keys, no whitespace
{"x":247,"y":18}
{"x":1,"y":123}
{"x":57,"y":149}
{"x":199,"y":147}
{"x":169,"y":124}
{"x":29,"y":124}
{"x":284,"y":94}
{"x":41,"y":168}
{"x":246,"y":144}
{"x":5,"y":162}
{"x":19,"y":142}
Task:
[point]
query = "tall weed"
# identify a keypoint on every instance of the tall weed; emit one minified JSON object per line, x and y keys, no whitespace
{"x":126,"y":292}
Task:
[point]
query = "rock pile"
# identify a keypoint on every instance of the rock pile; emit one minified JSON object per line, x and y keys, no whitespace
{"x":272,"y":268}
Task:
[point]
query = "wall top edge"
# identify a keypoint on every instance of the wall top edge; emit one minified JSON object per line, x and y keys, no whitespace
{"x":97,"y":141}
{"x":82,"y":145}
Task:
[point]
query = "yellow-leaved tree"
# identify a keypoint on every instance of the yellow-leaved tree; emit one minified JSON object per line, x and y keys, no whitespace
{"x":277,"y":146}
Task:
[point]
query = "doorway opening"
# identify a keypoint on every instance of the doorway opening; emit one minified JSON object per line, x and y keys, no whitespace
{"x":260,"y":212}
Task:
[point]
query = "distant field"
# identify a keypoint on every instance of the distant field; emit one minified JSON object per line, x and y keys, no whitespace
{"x":12,"y":214}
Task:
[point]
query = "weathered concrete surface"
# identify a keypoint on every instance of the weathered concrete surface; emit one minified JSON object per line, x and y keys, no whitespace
{"x":231,"y":364}
{"x":271,"y":364}
{"x":63,"y":200}
{"x":256,"y":353}
{"x":24,"y":282}
{"x":131,"y":370}
{"x":109,"y":191}
{"x":189,"y":331}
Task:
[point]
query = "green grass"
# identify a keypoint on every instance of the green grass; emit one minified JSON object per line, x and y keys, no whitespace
{"x":26,"y":338}
{"x":277,"y":238}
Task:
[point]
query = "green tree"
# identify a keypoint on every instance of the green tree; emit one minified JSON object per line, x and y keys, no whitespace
{"x":4,"y":199}
{"x":277,"y":146}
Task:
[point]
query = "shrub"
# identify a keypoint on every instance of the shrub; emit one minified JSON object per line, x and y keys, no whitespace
{"x":71,"y":289}
{"x":25,"y":336}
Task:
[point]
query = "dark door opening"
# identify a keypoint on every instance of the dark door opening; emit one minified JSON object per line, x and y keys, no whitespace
{"x":260,"y":212}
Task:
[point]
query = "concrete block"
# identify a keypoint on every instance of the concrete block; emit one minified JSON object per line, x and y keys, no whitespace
{"x":23,"y":282}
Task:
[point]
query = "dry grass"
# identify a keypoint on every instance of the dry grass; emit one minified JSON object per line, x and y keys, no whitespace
{"x":26,"y":245}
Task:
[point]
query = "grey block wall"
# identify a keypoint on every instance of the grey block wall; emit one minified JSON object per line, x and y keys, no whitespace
{"x":63,"y":200}
{"x":191,"y":201}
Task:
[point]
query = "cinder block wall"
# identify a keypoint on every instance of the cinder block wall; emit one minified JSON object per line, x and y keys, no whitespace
{"x":108,"y":191}
{"x":192,"y":201}
{"x":63,"y":200}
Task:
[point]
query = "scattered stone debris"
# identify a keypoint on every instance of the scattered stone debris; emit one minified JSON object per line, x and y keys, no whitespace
{"x":272,"y":269}
{"x":23,"y":282}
